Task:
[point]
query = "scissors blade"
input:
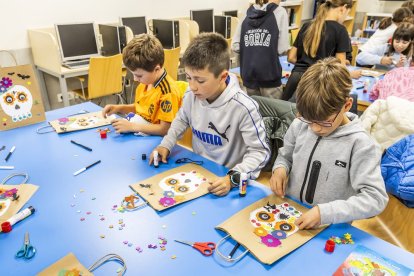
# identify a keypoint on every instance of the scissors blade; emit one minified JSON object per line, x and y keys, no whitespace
{"x":26,"y":239}
{"x":185,"y":242}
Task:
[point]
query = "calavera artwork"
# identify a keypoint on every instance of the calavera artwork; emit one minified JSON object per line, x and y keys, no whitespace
{"x":16,"y":101}
{"x":272,"y":223}
{"x":178,"y":185}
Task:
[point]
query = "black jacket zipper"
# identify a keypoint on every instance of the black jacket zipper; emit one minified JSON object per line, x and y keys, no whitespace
{"x":307,"y":168}
{"x":313,"y":180}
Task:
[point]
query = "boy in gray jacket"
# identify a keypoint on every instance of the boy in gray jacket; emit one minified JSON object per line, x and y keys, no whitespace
{"x":328,"y":160}
{"x":226,"y":123}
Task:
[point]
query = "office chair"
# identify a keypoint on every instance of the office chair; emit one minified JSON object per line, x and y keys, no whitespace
{"x":105,"y":78}
{"x":172,"y":61}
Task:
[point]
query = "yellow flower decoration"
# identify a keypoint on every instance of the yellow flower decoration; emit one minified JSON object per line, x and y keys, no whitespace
{"x":267,"y":227}
{"x":172,"y":181}
{"x":179,"y":198}
{"x":260,"y":231}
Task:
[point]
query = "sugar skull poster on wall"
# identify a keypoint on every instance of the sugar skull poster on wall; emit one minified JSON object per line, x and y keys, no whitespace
{"x":20,"y":100}
{"x":174,"y":186}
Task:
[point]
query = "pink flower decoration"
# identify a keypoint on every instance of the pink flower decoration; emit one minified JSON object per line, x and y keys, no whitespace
{"x":63,"y":120}
{"x":167,"y":201}
{"x":6,"y":82}
{"x":270,"y":241}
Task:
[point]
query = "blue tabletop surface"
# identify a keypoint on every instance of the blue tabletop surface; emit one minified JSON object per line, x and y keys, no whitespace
{"x":56,"y":229}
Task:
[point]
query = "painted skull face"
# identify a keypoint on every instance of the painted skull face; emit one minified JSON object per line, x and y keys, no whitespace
{"x":273,"y":223}
{"x":4,"y":205}
{"x":182,"y":183}
{"x":17,"y":103}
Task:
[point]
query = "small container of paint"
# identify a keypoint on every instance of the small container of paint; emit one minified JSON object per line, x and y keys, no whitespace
{"x":243,"y":184}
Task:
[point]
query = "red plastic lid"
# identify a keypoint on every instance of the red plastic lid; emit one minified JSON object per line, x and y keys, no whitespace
{"x":330,"y":246}
{"x":6,"y":227}
{"x":103,"y":134}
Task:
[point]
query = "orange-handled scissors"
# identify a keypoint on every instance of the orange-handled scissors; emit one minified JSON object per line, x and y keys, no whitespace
{"x":206,"y":248}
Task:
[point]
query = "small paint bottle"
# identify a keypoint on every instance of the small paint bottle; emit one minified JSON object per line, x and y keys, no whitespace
{"x":155,"y":155}
{"x":243,"y":184}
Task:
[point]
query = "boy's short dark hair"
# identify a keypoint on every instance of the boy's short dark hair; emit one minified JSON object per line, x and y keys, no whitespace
{"x":145,"y":52}
{"x":208,"y":51}
{"x":323,"y":89}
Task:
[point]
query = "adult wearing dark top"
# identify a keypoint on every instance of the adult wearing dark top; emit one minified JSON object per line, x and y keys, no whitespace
{"x":324,"y":36}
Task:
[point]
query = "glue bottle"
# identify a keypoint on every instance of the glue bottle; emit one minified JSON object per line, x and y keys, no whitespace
{"x":7,"y":225}
{"x":243,"y":184}
{"x":155,"y":155}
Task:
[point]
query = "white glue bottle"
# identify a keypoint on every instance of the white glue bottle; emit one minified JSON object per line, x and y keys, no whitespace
{"x":155,"y":155}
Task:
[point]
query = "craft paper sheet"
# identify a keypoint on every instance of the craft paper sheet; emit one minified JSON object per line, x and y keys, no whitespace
{"x":81,"y":122}
{"x":267,"y":228}
{"x":20,"y":100}
{"x":174,"y":186}
{"x":68,"y":265}
{"x":9,"y":205}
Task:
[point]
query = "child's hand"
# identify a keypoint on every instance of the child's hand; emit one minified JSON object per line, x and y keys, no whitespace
{"x":220,"y":186}
{"x":122,"y":126}
{"x":162,"y":155}
{"x":310,"y":219}
{"x":278,"y":181}
{"x":109,"y":109}
{"x":356,"y":74}
{"x":386,"y":60}
{"x":401,"y":62}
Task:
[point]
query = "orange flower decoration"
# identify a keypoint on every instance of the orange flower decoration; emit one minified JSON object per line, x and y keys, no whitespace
{"x":172,"y":181}
{"x":179,"y":198}
{"x":265,"y":216}
{"x":260,"y":231}
{"x":285,"y":226}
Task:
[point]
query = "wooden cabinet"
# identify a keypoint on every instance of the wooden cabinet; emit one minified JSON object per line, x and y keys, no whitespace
{"x":371,"y":23}
{"x":349,"y":21}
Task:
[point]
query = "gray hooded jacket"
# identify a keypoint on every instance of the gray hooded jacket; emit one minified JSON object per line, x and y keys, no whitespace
{"x":340,"y":172}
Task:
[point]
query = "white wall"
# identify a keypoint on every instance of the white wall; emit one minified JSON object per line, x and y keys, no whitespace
{"x":378,"y":6}
{"x":20,"y":15}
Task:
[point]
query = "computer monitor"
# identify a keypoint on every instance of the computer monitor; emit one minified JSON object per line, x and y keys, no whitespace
{"x":138,"y":24}
{"x":167,"y":31}
{"x":77,"y":41}
{"x":231,"y":13}
{"x":113,"y":39}
{"x":222,"y":25}
{"x":204,"y":18}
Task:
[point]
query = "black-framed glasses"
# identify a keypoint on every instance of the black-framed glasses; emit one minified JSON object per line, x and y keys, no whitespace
{"x":320,"y":123}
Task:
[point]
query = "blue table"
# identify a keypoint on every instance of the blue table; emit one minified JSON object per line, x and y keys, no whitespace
{"x":55,"y":229}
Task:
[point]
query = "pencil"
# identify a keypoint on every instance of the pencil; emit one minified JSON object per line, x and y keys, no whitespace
{"x":80,"y":145}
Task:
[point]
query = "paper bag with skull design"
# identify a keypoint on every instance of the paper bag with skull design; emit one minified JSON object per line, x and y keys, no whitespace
{"x":20,"y":100}
{"x":174,"y":186}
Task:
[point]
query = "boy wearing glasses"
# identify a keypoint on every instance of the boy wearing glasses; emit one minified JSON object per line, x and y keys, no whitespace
{"x":328,"y":160}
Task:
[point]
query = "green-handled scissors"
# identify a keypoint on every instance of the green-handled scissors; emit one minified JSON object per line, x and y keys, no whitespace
{"x":27,"y":251}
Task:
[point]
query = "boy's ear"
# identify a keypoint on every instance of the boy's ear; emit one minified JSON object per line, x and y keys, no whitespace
{"x":348,"y":104}
{"x":223,"y":75}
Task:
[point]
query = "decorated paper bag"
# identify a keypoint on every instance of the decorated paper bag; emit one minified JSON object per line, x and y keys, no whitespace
{"x":14,"y":197}
{"x":174,"y":186}
{"x":267,"y":228}
{"x":81,"y":122}
{"x":20,"y":100}
{"x":70,"y":265}
{"x":372,"y":73}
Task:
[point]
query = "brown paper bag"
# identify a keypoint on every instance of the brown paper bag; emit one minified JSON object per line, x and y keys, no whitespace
{"x":372,"y":73}
{"x":10,"y":207}
{"x":174,"y":186}
{"x":20,"y":100}
{"x":81,"y":122}
{"x":267,"y":229}
{"x":70,"y":265}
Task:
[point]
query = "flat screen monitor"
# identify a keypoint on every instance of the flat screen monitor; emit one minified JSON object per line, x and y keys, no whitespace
{"x":77,"y":41}
{"x":222,"y":25}
{"x":204,"y":18}
{"x":165,"y":31}
{"x":110,"y":40}
{"x":138,"y":24}
{"x":231,"y":13}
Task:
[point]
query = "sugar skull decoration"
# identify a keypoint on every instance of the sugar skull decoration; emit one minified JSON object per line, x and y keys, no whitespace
{"x":16,"y":101}
{"x":75,"y":123}
{"x":178,"y":185}
{"x":273,"y":223}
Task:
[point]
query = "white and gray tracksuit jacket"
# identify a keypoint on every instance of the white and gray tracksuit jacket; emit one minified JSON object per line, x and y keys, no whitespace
{"x":229,"y":131}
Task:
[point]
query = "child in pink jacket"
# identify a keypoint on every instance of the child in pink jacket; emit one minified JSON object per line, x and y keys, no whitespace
{"x":398,"y":82}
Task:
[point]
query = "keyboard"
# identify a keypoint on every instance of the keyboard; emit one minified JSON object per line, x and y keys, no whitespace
{"x":76,"y":64}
